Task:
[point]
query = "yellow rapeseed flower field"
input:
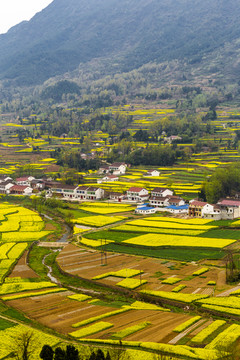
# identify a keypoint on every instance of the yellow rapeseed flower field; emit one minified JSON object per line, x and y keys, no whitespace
{"x":174,"y":240}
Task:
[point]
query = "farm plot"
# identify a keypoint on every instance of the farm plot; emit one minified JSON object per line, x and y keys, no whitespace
{"x":167,"y":237}
{"x":88,"y":264}
{"x":105,"y":208}
{"x":157,"y":240}
{"x":98,"y":221}
{"x":18,"y":227}
{"x":59,"y":312}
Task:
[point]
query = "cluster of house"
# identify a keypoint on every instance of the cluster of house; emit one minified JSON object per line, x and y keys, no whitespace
{"x":159,"y":199}
{"x":21,"y":186}
{"x":224,"y":209}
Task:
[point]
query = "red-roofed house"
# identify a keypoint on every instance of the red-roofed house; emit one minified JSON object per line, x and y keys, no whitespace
{"x":137,"y":194}
{"x":230,"y":208}
{"x":25,"y":180}
{"x":196,"y":207}
{"x":20,"y":190}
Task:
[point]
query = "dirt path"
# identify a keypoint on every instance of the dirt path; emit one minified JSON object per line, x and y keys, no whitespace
{"x":185,"y":332}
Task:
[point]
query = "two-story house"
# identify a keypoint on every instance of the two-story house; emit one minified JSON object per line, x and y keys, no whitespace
{"x":25,"y":180}
{"x":137,"y":194}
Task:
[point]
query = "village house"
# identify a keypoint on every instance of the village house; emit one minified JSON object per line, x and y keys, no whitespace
{"x":145,"y":209}
{"x":4,"y":178}
{"x":108,"y":178}
{"x":20,"y":190}
{"x":163,"y":201}
{"x":137,"y":194}
{"x":175,"y":201}
{"x":182,"y":209}
{"x":195,"y":208}
{"x":161,"y":192}
{"x":5,"y":186}
{"x":38,"y":184}
{"x":68,"y":191}
{"x":115,"y":196}
{"x":153,"y":173}
{"x":104,"y":169}
{"x":94,"y":193}
{"x":230,"y":208}
{"x":118,"y":168}
{"x":25,"y":180}
{"x":157,"y":201}
{"x":172,"y":138}
{"x":212,"y":211}
{"x":81,"y":192}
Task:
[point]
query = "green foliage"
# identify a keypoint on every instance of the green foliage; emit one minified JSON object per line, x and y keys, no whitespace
{"x":56,"y":91}
{"x":224,"y":182}
{"x":174,"y":254}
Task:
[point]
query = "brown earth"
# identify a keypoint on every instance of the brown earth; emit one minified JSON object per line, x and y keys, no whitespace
{"x":90,"y":263}
{"x":59,"y":313}
{"x":22,"y":269}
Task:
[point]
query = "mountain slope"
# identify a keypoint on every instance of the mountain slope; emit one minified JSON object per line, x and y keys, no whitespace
{"x":131,"y":32}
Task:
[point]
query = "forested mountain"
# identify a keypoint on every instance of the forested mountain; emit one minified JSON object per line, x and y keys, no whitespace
{"x":129,"y":32}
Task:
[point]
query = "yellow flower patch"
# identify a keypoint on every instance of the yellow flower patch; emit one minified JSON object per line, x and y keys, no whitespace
{"x":174,"y":240}
{"x":131,"y":283}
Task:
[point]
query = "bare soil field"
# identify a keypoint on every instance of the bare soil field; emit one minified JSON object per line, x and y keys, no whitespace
{"x":22,"y":269}
{"x":90,"y":263}
{"x":59,"y":313}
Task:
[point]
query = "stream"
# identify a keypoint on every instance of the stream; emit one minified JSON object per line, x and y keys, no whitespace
{"x":49,"y":274}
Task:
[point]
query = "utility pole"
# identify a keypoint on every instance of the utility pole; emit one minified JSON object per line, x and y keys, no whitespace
{"x":105,"y":252}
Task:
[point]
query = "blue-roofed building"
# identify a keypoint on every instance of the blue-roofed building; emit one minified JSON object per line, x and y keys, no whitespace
{"x":178,"y":209}
{"x":145,"y":209}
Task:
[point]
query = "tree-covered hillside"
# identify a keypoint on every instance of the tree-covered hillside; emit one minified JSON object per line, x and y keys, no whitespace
{"x":129,"y":32}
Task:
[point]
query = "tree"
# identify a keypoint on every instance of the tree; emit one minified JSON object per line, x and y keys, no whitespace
{"x":24,"y":345}
{"x":46,"y":352}
{"x":72,"y":353}
{"x":60,"y":354}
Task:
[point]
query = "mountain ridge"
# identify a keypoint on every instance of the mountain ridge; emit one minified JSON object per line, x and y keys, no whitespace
{"x":131,"y":32}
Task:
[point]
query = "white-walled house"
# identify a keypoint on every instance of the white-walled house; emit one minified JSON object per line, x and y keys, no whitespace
{"x":25,"y":180}
{"x":4,"y":178}
{"x":137,"y":194}
{"x":175,"y":201}
{"x":81,"y":192}
{"x":182,"y":209}
{"x":145,"y":209}
{"x":153,"y":173}
{"x":163,"y":201}
{"x":118,"y":168}
{"x":230,"y":208}
{"x":94,"y":193}
{"x":115,"y":196}
{"x":108,"y":178}
{"x":212,"y":211}
{"x":5,"y":187}
{"x":157,"y":201}
{"x":20,"y":190}
{"x":71,"y":192}
{"x":161,"y":192}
